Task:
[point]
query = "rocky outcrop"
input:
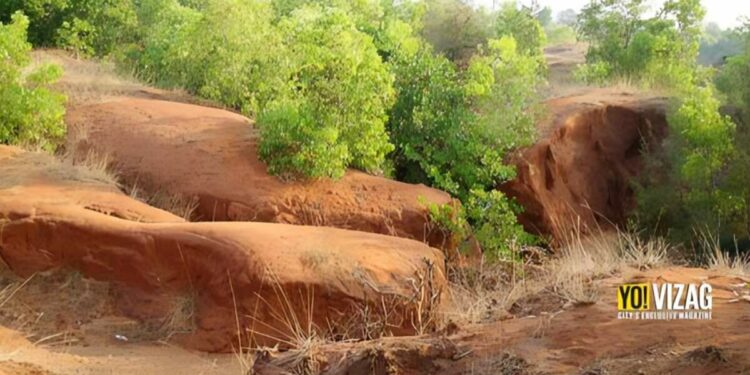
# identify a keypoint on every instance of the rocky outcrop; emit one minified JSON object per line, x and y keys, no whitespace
{"x":579,"y":176}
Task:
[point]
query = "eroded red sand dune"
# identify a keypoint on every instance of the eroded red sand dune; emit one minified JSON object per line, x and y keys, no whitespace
{"x":579,"y":175}
{"x":53,"y":217}
{"x":211,"y":154}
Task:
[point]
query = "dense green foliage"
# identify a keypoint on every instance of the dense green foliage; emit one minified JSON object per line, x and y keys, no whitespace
{"x":651,"y":51}
{"x":339,"y":80}
{"x":210,"y":52}
{"x":521,"y":24}
{"x":455,"y":28}
{"x":689,"y":183}
{"x":735,"y":75}
{"x":87,"y":27}
{"x":699,"y":180}
{"x":30,"y":113}
{"x":453,"y":129}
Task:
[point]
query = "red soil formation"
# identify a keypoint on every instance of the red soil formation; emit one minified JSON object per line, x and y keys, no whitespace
{"x":580,"y":173}
{"x":211,"y":154}
{"x":583,"y":340}
{"x":254,"y":275}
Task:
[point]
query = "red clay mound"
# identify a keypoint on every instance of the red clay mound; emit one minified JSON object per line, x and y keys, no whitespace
{"x":64,"y":185}
{"x":264,"y":275}
{"x":211,"y":154}
{"x":580,"y":173}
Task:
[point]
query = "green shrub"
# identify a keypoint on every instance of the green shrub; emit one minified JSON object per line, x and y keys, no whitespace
{"x":523,"y":26}
{"x":297,"y":143}
{"x":689,"y":186}
{"x":625,"y":44}
{"x":495,"y":225}
{"x":453,"y":130}
{"x":454,"y":28}
{"x":429,"y":122}
{"x":337,"y":72}
{"x":30,"y":113}
{"x":450,"y":220}
{"x":87,"y":27}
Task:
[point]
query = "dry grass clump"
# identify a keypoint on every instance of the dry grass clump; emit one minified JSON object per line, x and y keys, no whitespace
{"x":177,"y":204}
{"x":583,"y":260}
{"x":643,"y":254}
{"x":288,"y":318}
{"x":92,"y":166}
{"x":88,"y":168}
{"x":52,"y":308}
{"x":181,"y":318}
{"x":505,"y":364}
{"x":87,"y":81}
{"x":491,"y":291}
{"x":487,"y":291}
{"x":85,"y":163}
{"x":722,"y":261}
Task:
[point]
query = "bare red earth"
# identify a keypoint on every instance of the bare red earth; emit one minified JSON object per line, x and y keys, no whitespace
{"x":260,"y":274}
{"x":579,"y":175}
{"x":581,"y":340}
{"x":211,"y":154}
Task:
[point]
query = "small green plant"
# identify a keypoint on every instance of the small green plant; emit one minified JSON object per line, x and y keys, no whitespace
{"x":493,"y":218}
{"x":450,"y":220}
{"x":30,"y":113}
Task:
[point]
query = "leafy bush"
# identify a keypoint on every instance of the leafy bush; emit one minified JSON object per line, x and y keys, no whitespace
{"x":453,"y":130}
{"x":30,"y":113}
{"x":734,"y":77}
{"x":87,"y":27}
{"x":495,"y":225}
{"x":211,"y":52}
{"x":345,"y":86}
{"x":523,"y":26}
{"x":690,"y":186}
{"x":455,"y":28}
{"x":656,"y":51}
{"x":297,"y":142}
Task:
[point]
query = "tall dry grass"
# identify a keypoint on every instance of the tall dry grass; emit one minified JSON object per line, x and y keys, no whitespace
{"x":486,"y":291}
{"x":719,"y":260}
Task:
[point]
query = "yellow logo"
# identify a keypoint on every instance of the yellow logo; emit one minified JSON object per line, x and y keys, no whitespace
{"x":633,"y":297}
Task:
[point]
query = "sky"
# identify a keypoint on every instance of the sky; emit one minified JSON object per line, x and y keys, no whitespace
{"x":723,"y":12}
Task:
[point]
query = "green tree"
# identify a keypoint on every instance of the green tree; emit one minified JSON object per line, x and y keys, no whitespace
{"x":623,"y":43}
{"x":523,"y":26}
{"x":30,"y":113}
{"x":455,"y":28}
{"x":339,"y":80}
{"x":696,"y":190}
{"x":452,"y":130}
{"x":88,"y":27}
